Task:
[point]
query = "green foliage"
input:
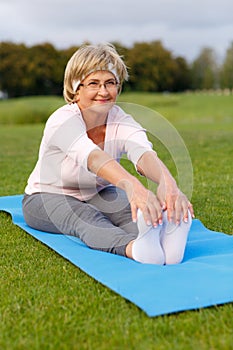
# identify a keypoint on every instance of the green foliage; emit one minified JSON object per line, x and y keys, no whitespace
{"x":47,"y":303}
{"x":227,"y":69}
{"x":204,"y":70}
{"x":13,"y":65}
{"x":36,"y":70}
{"x":39,"y":70}
{"x":154,"y":64}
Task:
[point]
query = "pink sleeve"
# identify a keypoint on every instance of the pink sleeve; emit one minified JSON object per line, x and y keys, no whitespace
{"x":70,"y":137}
{"x":134,"y":139}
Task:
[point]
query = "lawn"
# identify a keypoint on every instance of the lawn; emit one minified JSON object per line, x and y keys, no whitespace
{"x":47,"y":303}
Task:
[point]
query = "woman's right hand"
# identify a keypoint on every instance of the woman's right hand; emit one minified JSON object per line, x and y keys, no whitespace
{"x":141,"y":198}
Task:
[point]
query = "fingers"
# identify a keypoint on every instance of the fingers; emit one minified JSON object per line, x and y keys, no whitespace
{"x":177,"y":206}
{"x":179,"y":209}
{"x":186,"y":209}
{"x":170,"y":205}
{"x":133,"y":211}
{"x":151,"y":209}
{"x":190,"y":207}
{"x":153,"y":214}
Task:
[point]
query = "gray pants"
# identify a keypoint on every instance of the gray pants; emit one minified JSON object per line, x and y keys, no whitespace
{"x":103,"y":222}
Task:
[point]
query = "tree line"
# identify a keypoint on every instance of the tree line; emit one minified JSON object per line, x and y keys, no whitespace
{"x":39,"y":69}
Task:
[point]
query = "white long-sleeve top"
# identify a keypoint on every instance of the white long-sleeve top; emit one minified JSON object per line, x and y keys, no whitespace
{"x":65,"y":147}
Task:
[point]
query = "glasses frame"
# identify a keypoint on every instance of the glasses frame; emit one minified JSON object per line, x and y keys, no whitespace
{"x":112,"y":87}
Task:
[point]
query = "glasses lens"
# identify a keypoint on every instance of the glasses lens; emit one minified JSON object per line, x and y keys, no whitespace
{"x":94,"y":86}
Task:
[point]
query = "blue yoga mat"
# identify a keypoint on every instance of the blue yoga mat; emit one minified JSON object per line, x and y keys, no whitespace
{"x":204,"y":278}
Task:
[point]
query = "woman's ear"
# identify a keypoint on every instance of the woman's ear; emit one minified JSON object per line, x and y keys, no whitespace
{"x":77,"y":97}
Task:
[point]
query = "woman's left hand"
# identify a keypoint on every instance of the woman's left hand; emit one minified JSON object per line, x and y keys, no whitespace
{"x":175,"y":202}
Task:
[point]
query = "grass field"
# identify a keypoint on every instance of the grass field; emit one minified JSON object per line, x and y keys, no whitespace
{"x":47,"y":303}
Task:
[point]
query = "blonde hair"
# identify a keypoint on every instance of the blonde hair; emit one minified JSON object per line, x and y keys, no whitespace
{"x":88,"y":59}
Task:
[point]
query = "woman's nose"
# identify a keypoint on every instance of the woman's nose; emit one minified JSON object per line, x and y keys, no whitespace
{"x":103,"y":90}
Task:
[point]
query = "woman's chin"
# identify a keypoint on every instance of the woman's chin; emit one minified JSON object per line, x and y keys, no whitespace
{"x":101,"y":107}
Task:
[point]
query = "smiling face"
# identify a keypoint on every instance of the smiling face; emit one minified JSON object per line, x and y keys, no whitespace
{"x":97,"y":89}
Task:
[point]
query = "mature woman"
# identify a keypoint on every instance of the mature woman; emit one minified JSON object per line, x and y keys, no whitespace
{"x":78,"y":186}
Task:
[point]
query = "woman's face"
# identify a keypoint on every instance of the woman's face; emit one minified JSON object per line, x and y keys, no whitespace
{"x":98,"y":90}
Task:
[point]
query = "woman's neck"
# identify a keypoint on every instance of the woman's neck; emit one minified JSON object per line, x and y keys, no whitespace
{"x":95,"y":125}
{"x":97,"y":135}
{"x":93,"y":119}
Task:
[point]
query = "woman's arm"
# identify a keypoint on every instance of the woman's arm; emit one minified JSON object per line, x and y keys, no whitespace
{"x":108,"y":168}
{"x":168,"y":193}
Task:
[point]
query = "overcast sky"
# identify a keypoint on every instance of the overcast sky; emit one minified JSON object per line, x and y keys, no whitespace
{"x":183,"y":26}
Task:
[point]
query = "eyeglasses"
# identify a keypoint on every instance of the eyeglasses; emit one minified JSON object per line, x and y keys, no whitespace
{"x":110,"y":85}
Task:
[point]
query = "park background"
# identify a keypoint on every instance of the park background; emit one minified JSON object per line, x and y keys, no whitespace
{"x":39,"y":69}
{"x":47,"y":303}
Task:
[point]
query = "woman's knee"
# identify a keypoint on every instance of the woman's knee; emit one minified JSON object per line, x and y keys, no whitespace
{"x":35,"y":214}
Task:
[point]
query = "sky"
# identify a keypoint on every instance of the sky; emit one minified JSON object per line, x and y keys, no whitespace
{"x":183,"y":26}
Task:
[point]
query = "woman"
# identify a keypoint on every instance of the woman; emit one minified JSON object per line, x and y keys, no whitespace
{"x":78,"y":186}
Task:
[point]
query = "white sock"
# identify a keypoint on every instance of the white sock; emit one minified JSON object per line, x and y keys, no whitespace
{"x":147,"y":248}
{"x":174,"y":239}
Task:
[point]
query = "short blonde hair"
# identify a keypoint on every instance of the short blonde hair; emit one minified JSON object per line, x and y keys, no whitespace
{"x":88,"y":59}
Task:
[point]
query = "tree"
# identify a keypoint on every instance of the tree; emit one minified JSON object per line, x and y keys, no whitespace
{"x":204,"y":70}
{"x":226,"y":74}
{"x":13,"y":65}
{"x":151,"y":66}
{"x":30,"y":71}
{"x":45,"y":69}
{"x":182,"y":75}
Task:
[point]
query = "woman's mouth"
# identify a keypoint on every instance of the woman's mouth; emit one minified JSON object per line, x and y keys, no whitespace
{"x":103,"y":100}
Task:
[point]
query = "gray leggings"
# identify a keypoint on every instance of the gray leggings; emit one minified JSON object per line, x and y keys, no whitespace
{"x":103,"y":222}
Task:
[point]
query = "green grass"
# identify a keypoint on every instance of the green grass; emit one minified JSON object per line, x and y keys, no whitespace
{"x":28,"y":110}
{"x":47,"y":303}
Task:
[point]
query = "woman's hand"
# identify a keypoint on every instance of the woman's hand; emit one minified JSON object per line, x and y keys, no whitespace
{"x":169,"y":195}
{"x":141,"y":198}
{"x":175,"y":202}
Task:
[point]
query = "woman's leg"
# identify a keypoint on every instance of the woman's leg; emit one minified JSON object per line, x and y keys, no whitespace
{"x":64,"y":214}
{"x":114,"y":204}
